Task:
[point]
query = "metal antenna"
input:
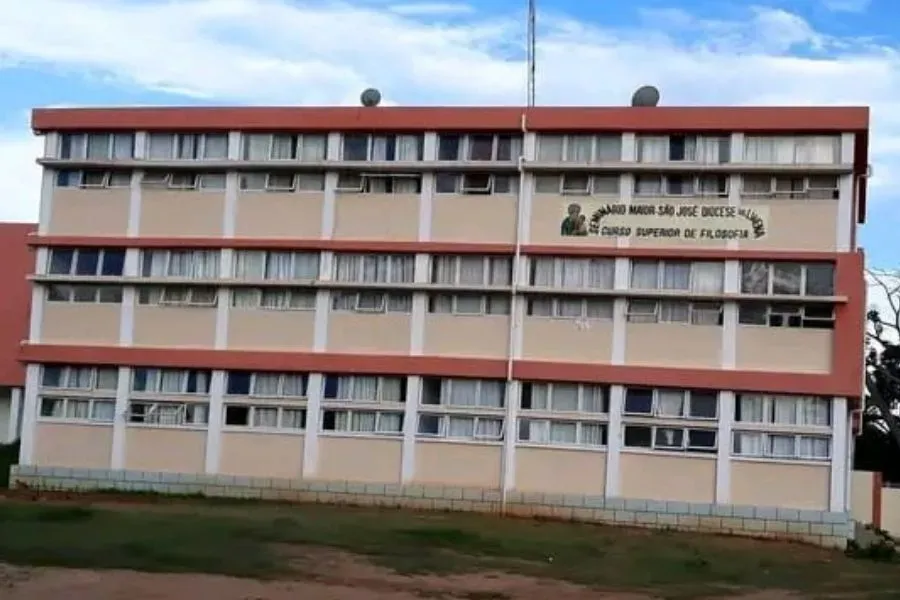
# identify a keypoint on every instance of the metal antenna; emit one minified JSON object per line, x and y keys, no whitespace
{"x":532,"y":35}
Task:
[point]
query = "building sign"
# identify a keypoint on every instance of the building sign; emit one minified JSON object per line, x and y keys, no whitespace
{"x":665,"y":221}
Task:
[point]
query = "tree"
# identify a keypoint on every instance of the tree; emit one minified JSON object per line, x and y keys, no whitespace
{"x":878,"y":446}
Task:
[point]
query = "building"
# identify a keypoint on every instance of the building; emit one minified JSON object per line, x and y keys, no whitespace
{"x":654,"y":317}
{"x":16,"y":263}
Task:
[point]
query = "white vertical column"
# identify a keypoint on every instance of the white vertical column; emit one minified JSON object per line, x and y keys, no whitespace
{"x":37,"y":297}
{"x":839,"y":466}
{"x":29,"y":414}
{"x":847,"y":191}
{"x":48,"y":182}
{"x":510,"y":431}
{"x":315,"y":389}
{"x":732,"y":285}
{"x":410,"y":425}
{"x":526,"y":191}
{"x":15,"y":410}
{"x":735,"y":179}
{"x":614,"y":440}
{"x":620,"y":308}
{"x":120,"y":419}
{"x":419,"y":306}
{"x":214,"y":428}
{"x":129,"y":297}
{"x":723,"y":453}
{"x":223,"y":302}
{"x":626,"y":180}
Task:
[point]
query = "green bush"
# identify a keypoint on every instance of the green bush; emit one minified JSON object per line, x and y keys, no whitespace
{"x":9,"y":456}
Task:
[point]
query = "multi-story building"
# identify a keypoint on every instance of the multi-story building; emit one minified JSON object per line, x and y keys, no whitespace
{"x":648,"y":315}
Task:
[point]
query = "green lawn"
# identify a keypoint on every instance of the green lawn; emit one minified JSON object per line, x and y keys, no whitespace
{"x":250,"y":540}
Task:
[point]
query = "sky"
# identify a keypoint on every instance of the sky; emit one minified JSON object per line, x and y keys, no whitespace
{"x":286,"y":52}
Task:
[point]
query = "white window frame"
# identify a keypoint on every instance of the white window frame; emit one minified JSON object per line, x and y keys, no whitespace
{"x":351,"y":415}
{"x":490,"y":265}
{"x":155,"y":381}
{"x":785,"y":311}
{"x":694,"y":189}
{"x":580,"y":434}
{"x":185,"y":181}
{"x":199,"y":143}
{"x":301,"y":183}
{"x":461,"y":185}
{"x":464,"y":146}
{"x":637,"y":311}
{"x":807,"y":190}
{"x":101,"y":258}
{"x":70,"y":372}
{"x":253,"y":409}
{"x":797,"y":146}
{"x":381,"y":391}
{"x":584,"y":391}
{"x":768,"y":452}
{"x":388,"y":302}
{"x":599,"y":271}
{"x":80,"y":142}
{"x":656,"y":411}
{"x":446,"y":395}
{"x":298,"y":143}
{"x":195,"y":257}
{"x":563,"y":186}
{"x":489,"y":304}
{"x":371,"y":142}
{"x":444,"y":427}
{"x":539,"y":304}
{"x":281,"y":385}
{"x":567,"y":140}
{"x":393,"y":265}
{"x":770,"y":414}
{"x":81,"y":179}
{"x":685,"y":438}
{"x":770,"y":268}
{"x":179,"y":296}
{"x":693,"y":278}
{"x":189,"y":414}
{"x":722,"y":142}
{"x":297,"y":259}
{"x":362,"y":183}
{"x":295,"y":299}
{"x":77,"y":293}
{"x":91,"y":417}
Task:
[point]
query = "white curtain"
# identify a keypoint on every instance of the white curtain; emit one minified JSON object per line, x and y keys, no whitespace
{"x":537,"y":432}
{"x":653,"y":149}
{"x":390,"y":422}
{"x":782,"y":446}
{"x":705,"y":313}
{"x":78,"y":409}
{"x":407,"y":147}
{"x":708,"y":149}
{"x":488,"y":428}
{"x":550,"y":148}
{"x":256,"y":146}
{"x":215,"y":146}
{"x":310,"y":182}
{"x":265,"y":417}
{"x":500,"y":270}
{"x":644,"y":275}
{"x":579,"y":148}
{"x":461,"y":427}
{"x":283,"y":147}
{"x":591,"y":434}
{"x":265,"y":384}
{"x":609,"y":148}
{"x":249,"y":264}
{"x":813,"y":447}
{"x":565,"y":397}
{"x":569,"y":308}
{"x":676,"y":276}
{"x":784,"y":410}
{"x":648,"y":185}
{"x":814,"y":411}
{"x":601,"y":274}
{"x":540,"y":396}
{"x":667,"y":437}
{"x":313,"y":147}
{"x":279,"y":266}
{"x":642,"y":311}
{"x":171,"y":381}
{"x":708,"y":277}
{"x":752,"y":408}
{"x":443,"y":269}
{"x":103,"y":410}
{"x":161,"y":146}
{"x":817,"y":150}
{"x":460,"y":392}
{"x":292,"y":418}
{"x":81,"y":378}
{"x":598,"y":308}
{"x":292,"y":386}
{"x":674,"y":311}
{"x":670,"y":403}
{"x":563,"y":433}
{"x":749,"y":444}
{"x":107,"y":379}
{"x":471,"y":270}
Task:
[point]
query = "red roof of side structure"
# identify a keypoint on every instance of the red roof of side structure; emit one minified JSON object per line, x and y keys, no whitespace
{"x":16,"y":264}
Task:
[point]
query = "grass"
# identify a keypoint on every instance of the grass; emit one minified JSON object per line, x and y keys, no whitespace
{"x":249,"y":540}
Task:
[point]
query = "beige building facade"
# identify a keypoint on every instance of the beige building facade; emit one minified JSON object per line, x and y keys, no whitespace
{"x":637,"y":315}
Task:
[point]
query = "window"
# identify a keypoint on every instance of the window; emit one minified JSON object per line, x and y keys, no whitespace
{"x":170,"y":381}
{"x":87,"y":262}
{"x":187,"y":146}
{"x":469,"y":304}
{"x":460,"y":427}
{"x":80,"y":378}
{"x":579,"y":148}
{"x":363,"y":422}
{"x":93,"y":179}
{"x":268,"y":385}
{"x":670,"y":439}
{"x":183,"y":181}
{"x":185,"y":264}
{"x":78,"y":409}
{"x":483,"y":393}
{"x":471,"y":270}
{"x":684,"y":148}
{"x":787,"y":279}
{"x":374,"y":268}
{"x":356,"y":183}
{"x":781,"y":446}
{"x":364,"y":147}
{"x":565,"y":397}
{"x":274,"y":299}
{"x":577,"y":184}
{"x":204,"y":297}
{"x":371,"y":301}
{"x":276,"y":266}
{"x":807,"y":316}
{"x":362,"y":388}
{"x":96,"y":146}
{"x":168,"y":414}
{"x":479,"y":147}
{"x":571,"y":307}
{"x":562,"y":433}
{"x":265,"y":417}
{"x":671,"y":403}
{"x":480,"y":184}
{"x":282,"y":182}
{"x":699,"y":277}
{"x":787,"y":187}
{"x":103,"y":294}
{"x":674,"y":311}
{"x":706,"y":186}
{"x":801,"y":411}
{"x":788,"y":150}
{"x":305,"y":147}
{"x":572,"y":273}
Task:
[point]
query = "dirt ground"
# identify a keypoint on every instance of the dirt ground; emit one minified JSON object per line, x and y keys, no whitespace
{"x":337,"y":577}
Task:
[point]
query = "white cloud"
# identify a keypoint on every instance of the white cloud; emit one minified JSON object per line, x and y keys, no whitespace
{"x":851,"y":6}
{"x":319,"y":52}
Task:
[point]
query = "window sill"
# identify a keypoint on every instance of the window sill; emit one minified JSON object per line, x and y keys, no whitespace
{"x":66,"y":421}
{"x":427,"y":439}
{"x":808,"y":462}
{"x":263,"y":430}
{"x":564,"y":447}
{"x":712,"y":454}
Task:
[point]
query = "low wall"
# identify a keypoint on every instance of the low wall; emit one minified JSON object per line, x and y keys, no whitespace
{"x":873,"y":502}
{"x":821,"y":528}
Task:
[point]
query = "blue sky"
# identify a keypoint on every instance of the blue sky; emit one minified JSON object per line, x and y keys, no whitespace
{"x":119,"y":52}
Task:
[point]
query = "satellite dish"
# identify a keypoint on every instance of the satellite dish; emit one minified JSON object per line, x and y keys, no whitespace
{"x":646,"y":95}
{"x":370,"y":97}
